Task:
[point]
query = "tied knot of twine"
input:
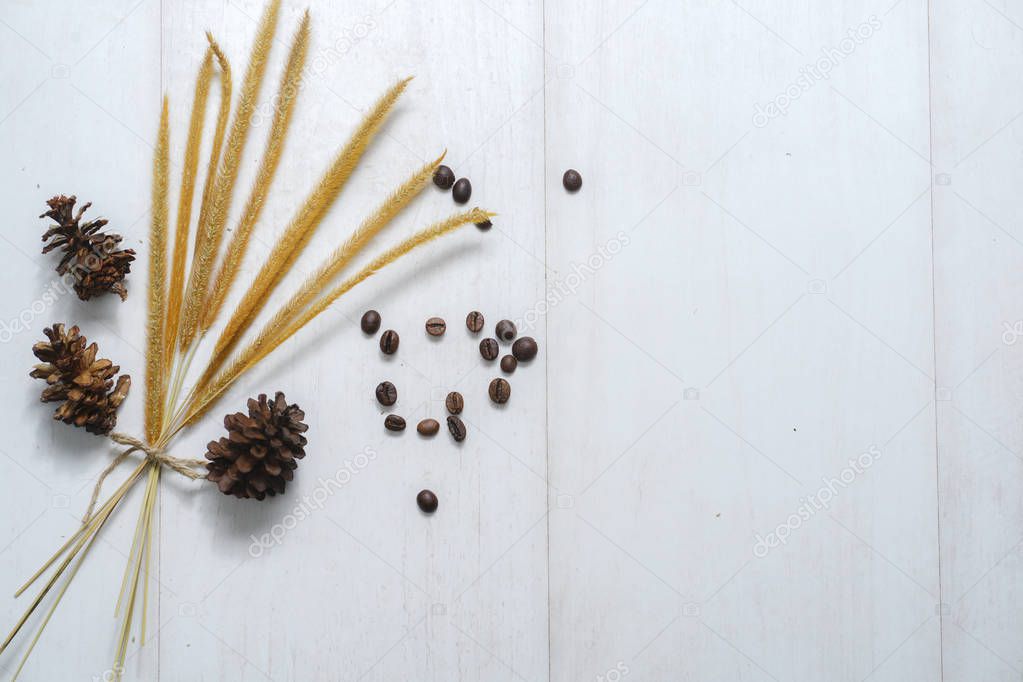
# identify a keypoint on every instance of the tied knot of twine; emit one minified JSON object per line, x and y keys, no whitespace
{"x":189,"y":468}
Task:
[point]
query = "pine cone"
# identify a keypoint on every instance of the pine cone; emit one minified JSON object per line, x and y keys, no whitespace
{"x":258,"y":456}
{"x":91,"y":256}
{"x":75,"y":376}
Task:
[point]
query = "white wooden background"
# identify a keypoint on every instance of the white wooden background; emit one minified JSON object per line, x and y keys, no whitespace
{"x":733,"y":308}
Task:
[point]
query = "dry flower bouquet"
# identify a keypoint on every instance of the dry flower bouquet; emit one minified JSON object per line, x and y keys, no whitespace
{"x":259,"y":455}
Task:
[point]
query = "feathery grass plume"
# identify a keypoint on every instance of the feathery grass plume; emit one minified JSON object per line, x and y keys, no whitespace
{"x":341,"y":257}
{"x":286,"y":96}
{"x":270,"y":338}
{"x":226,"y":85}
{"x":304,"y":224}
{"x":184,"y":217}
{"x":155,"y":365}
{"x":212,"y":231}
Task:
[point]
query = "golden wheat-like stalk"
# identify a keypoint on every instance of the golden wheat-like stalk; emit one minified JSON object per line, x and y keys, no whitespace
{"x":272,"y":337}
{"x":286,"y":96}
{"x":184,"y":216}
{"x":155,"y":365}
{"x":212,"y":231}
{"x":304,"y":224}
{"x":223,"y":114}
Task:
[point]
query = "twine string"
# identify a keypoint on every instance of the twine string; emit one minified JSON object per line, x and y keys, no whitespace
{"x":184,"y":466}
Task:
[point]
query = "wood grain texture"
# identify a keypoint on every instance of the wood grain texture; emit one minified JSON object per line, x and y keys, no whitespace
{"x":798,"y":323}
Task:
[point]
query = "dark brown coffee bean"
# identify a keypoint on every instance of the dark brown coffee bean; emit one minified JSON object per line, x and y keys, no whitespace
{"x":370,"y":321}
{"x":454,"y":402}
{"x":435,"y":326}
{"x":456,"y":427}
{"x":427,"y":501}
{"x":485,"y":224}
{"x":572,"y":180}
{"x":462,"y":191}
{"x":389,"y":342}
{"x":428,"y":427}
{"x":508,"y":364}
{"x":500,"y":391}
{"x":394,"y":423}
{"x":443,"y":177}
{"x":489,"y":349}
{"x":387,"y":394}
{"x":506,"y":330}
{"x":524,"y":349}
{"x":474,"y":321}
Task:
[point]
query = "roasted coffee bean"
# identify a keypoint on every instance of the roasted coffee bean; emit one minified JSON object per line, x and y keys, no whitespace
{"x":394,"y":423}
{"x":428,"y":427}
{"x":370,"y":321}
{"x":387,"y":394}
{"x":500,"y":391}
{"x":443,"y":177}
{"x":485,"y":224}
{"x":462,"y":191}
{"x":506,"y":330}
{"x":454,"y":402}
{"x":572,"y":180}
{"x":508,"y":364}
{"x":389,"y":342}
{"x":456,"y":428}
{"x":474,"y":321}
{"x":524,"y":349}
{"x":489,"y":349}
{"x":435,"y":326}
{"x":427,"y":501}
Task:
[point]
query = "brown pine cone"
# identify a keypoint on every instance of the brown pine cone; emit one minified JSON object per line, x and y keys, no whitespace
{"x":258,"y":456}
{"x":76,"y":377}
{"x":92,"y":257}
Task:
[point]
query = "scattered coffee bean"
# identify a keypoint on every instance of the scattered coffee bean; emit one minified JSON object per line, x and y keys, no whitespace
{"x":462,"y":191}
{"x":489,"y":349}
{"x":500,"y":391}
{"x":457,"y":428}
{"x":508,"y":364}
{"x":454,"y":402}
{"x":428,"y":427}
{"x":524,"y":349}
{"x":387,"y":394}
{"x":427,"y":501}
{"x":394,"y":423}
{"x":370,"y":321}
{"x":443,"y":177}
{"x":485,"y":224}
{"x":506,"y":330}
{"x":572,"y":180}
{"x":474,"y":321}
{"x":389,"y":342}
{"x":435,"y":326}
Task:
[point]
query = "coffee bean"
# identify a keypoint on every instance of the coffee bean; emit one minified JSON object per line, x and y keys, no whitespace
{"x":462,"y":191}
{"x":508,"y":364}
{"x":524,"y":349}
{"x":428,"y":427}
{"x":387,"y":394}
{"x":389,"y":342}
{"x":454,"y":402}
{"x":435,"y":326}
{"x":370,"y":321}
{"x":456,"y":428}
{"x":506,"y":330}
{"x":394,"y":423}
{"x":489,"y":349}
{"x":474,"y":321}
{"x":572,"y":180}
{"x":443,"y":177}
{"x":500,"y":391}
{"x":485,"y":224}
{"x":427,"y":501}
